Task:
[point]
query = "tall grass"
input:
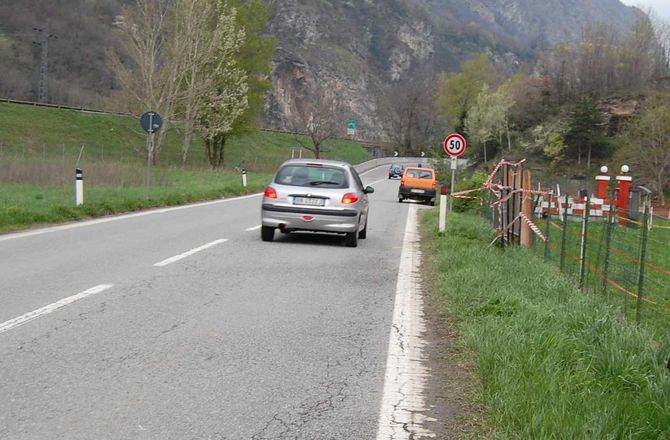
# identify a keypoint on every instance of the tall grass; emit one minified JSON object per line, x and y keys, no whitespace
{"x":554,"y":363}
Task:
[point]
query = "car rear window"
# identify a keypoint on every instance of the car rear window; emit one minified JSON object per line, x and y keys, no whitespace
{"x":303,"y":175}
{"x":420,"y":174}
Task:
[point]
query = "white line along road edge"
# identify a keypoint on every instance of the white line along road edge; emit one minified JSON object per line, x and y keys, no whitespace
{"x":189,"y":253}
{"x":401,"y":415}
{"x":8,"y":325}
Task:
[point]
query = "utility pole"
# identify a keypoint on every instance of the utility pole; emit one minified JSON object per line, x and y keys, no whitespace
{"x":43,"y":43}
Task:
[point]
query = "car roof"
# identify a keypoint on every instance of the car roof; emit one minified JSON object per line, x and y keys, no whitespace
{"x":327,"y":162}
{"x":419,"y":168}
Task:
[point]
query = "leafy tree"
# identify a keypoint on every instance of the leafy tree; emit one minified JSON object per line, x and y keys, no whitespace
{"x":488,"y":118}
{"x":255,"y":58}
{"x":645,"y":146}
{"x":199,"y":33}
{"x":555,"y":147}
{"x":227,"y":98}
{"x":458,"y":91}
{"x":586,"y":131}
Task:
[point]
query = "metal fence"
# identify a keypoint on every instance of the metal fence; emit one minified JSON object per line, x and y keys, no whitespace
{"x":614,"y":256}
{"x":622,"y":256}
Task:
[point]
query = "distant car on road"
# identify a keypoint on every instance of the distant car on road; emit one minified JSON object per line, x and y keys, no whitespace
{"x":316,"y":195}
{"x":395,"y":170}
{"x":418,"y":183}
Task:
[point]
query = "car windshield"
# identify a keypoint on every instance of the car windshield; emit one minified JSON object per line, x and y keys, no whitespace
{"x":303,"y":175}
{"x":420,"y":174}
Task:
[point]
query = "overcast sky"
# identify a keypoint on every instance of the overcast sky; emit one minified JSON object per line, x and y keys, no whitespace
{"x":660,"y":7}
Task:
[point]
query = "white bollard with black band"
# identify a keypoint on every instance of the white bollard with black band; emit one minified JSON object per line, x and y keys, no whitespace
{"x":443,"y":208}
{"x":244,"y":178}
{"x":79,"y":187}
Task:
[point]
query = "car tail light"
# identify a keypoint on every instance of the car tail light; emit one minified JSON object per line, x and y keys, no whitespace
{"x":402,"y":181}
{"x":270,"y":193}
{"x":349,"y":198}
{"x":434,"y":184}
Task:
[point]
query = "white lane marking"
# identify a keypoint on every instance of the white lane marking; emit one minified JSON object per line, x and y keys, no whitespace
{"x":189,"y":253}
{"x":120,"y":217}
{"x":254,"y":228}
{"x":377,"y":181}
{"x":8,"y":325}
{"x":403,"y":403}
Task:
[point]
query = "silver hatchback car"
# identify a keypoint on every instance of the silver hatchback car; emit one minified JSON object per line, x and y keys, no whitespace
{"x":316,"y":195}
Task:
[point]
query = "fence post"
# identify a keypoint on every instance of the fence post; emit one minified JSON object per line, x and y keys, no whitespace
{"x":504,"y":212}
{"x":584,"y":238}
{"x":643,"y":256}
{"x":564,"y":240}
{"x":548,"y":229}
{"x":608,"y":241}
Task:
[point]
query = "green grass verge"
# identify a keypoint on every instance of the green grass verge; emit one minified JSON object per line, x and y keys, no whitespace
{"x":40,"y":133}
{"x":40,"y":148}
{"x":554,"y":363}
{"x":24,"y":205}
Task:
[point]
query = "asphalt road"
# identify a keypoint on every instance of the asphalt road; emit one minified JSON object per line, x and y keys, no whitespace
{"x":239,"y":340}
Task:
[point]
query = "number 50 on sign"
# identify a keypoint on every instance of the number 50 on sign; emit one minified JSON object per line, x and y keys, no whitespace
{"x":455,"y":145}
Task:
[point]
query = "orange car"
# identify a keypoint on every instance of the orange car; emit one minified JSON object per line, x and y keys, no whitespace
{"x":418,"y":184}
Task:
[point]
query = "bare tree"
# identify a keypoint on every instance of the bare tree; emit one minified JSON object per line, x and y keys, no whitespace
{"x":147,"y":69}
{"x":409,"y":109}
{"x":319,"y":115}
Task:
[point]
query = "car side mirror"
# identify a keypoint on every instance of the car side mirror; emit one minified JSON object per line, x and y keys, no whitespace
{"x":368,"y":190}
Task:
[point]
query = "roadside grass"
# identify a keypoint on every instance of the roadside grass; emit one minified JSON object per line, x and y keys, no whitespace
{"x":41,"y":147}
{"x":623,"y":268}
{"x":48,"y":134}
{"x":553,"y":362}
{"x":24,"y":205}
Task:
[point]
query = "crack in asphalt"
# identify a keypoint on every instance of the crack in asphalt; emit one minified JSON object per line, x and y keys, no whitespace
{"x":288,"y":426}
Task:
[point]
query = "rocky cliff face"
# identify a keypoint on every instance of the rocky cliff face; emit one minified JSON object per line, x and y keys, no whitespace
{"x":355,"y":49}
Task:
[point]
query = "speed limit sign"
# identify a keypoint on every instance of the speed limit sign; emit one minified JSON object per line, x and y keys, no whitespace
{"x":455,"y":145}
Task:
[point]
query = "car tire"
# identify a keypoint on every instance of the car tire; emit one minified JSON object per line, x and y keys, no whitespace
{"x":432,"y":203}
{"x":363,"y":234}
{"x":400,"y":199}
{"x":351,"y":239}
{"x":267,"y":233}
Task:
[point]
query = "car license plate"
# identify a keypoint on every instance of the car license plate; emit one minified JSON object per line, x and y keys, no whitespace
{"x":309,"y":201}
{"x":418,"y":191}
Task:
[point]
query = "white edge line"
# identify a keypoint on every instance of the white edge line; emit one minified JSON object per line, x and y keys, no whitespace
{"x":254,"y":228}
{"x":8,"y":325}
{"x":401,"y":415}
{"x":189,"y":253}
{"x":120,"y":217}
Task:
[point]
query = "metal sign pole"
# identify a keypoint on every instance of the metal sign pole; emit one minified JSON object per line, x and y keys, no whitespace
{"x":454,"y":167}
{"x":150,"y":148}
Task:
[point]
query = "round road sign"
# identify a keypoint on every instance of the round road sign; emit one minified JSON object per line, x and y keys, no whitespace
{"x":151,"y":122}
{"x":455,"y":145}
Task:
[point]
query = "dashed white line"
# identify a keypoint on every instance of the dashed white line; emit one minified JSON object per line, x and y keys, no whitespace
{"x":253,"y":228}
{"x":189,"y":253}
{"x":8,"y":325}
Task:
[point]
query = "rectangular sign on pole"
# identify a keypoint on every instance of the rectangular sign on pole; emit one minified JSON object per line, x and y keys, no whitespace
{"x":351,"y":127}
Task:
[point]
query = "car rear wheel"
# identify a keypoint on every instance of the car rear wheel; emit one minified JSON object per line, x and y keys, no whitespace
{"x":364,"y":233}
{"x":351,"y":239}
{"x":400,"y":199}
{"x":267,"y":233}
